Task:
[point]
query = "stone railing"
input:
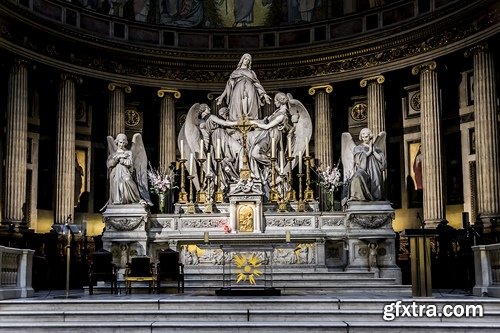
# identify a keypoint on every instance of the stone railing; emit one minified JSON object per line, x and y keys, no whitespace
{"x":15,"y":272}
{"x":487,"y":269}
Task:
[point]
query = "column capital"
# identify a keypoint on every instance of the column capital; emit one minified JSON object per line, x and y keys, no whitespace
{"x":211,"y":95}
{"x":372,"y":79}
{"x":113,"y":85}
{"x":481,"y":47}
{"x":328,"y":89}
{"x":426,"y":66}
{"x":162,"y":91}
{"x":71,"y":77}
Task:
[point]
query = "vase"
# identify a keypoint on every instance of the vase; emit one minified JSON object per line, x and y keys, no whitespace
{"x":331,"y":201}
{"x":162,"y":198}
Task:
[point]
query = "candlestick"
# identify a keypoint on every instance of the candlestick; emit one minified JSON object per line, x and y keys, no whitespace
{"x":273,"y":147}
{"x":299,"y":157}
{"x":182,"y":149}
{"x":208,"y":164}
{"x":218,"y":151}
{"x":191,"y":158}
{"x":282,"y":161}
{"x":307,"y":149}
{"x":289,"y":146}
{"x":202,"y":148}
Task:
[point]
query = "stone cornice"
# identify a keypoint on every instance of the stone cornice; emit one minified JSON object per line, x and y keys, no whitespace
{"x":363,"y":56}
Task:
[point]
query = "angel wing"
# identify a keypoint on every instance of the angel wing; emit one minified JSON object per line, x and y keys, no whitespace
{"x":302,"y":128}
{"x":111,"y":145}
{"x":140,"y":162}
{"x":380,"y":142}
{"x":190,"y":135}
{"x":348,"y":145}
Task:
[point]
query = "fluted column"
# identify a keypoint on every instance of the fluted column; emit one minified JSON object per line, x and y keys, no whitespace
{"x":16,"y":143}
{"x":167,"y":144}
{"x":65,"y":149}
{"x":323,"y":124}
{"x":432,"y":159}
{"x":376,"y":102}
{"x":116,"y":110}
{"x":486,"y":132}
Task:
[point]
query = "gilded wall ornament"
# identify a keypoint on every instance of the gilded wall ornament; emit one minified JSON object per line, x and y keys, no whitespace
{"x":359,"y":112}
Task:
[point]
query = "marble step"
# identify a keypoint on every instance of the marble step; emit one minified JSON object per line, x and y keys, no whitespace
{"x":248,"y":327}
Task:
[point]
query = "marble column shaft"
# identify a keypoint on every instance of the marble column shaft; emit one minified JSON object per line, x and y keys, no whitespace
{"x":16,"y":143}
{"x":167,"y":144}
{"x":65,"y":150}
{"x":376,"y":103}
{"x":432,"y":159}
{"x":116,"y":110}
{"x":486,"y":133}
{"x":323,"y":124}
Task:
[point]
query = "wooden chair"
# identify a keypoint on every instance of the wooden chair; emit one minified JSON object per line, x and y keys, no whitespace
{"x":140,"y":269}
{"x":103,"y":269}
{"x":169,"y":268}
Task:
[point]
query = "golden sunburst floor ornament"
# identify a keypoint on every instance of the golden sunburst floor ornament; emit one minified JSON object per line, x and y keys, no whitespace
{"x":247,"y":268}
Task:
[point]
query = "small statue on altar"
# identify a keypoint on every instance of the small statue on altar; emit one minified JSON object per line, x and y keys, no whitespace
{"x":372,"y":256}
{"x":128,"y":181}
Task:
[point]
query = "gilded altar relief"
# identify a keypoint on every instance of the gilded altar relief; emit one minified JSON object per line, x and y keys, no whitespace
{"x":245,"y":213}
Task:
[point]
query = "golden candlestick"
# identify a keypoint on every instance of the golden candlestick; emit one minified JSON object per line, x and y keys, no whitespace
{"x":219,"y":197}
{"x":308,"y":193}
{"x":208,"y":203}
{"x":190,"y":205}
{"x":201,"y":197}
{"x":301,"y":206}
{"x":291,"y":192}
{"x":283,"y":199}
{"x":273,"y":193}
{"x":183,"y":196}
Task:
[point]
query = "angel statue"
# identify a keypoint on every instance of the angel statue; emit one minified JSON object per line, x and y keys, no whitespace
{"x":128,"y":181}
{"x":289,"y":128}
{"x":363,"y":166}
{"x":201,"y":124}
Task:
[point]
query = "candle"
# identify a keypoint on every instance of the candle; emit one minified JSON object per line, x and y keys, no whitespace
{"x":289,"y":146}
{"x":191,"y":157}
{"x":307,"y":150}
{"x":300,"y":162}
{"x":182,"y":149}
{"x":205,"y":236}
{"x":273,"y":147}
{"x":218,"y":151}
{"x":208,"y":164}
{"x":202,"y":148}
{"x":288,"y":236}
{"x":282,"y":161}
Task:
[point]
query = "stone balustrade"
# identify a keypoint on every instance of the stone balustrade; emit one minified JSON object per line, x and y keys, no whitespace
{"x":487,"y":270}
{"x":15,"y":272}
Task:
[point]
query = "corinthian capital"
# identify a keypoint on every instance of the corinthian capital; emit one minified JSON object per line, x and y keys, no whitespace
{"x":328,"y":89}
{"x":114,"y":85}
{"x":372,"y":79}
{"x":481,"y":47}
{"x":162,"y":91}
{"x":427,"y":66}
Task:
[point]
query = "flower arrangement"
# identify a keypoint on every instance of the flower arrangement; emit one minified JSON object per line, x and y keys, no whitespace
{"x":226,"y":227}
{"x":330,"y":178}
{"x":162,"y":180}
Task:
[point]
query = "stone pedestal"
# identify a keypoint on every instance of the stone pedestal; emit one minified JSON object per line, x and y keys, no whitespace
{"x":125,"y":232}
{"x":371,"y":239}
{"x":245,"y":207}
